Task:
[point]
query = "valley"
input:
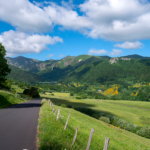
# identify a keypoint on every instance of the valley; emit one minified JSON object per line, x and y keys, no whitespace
{"x":110,"y":95}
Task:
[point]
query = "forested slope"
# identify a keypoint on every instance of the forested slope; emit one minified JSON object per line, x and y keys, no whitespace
{"x":23,"y":76}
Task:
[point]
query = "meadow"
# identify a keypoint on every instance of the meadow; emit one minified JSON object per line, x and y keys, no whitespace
{"x":136,"y":112}
{"x":52,"y":136}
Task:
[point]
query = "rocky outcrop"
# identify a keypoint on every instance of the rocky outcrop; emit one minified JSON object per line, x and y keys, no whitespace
{"x":126,"y":58}
{"x":42,"y":66}
{"x":113,"y":60}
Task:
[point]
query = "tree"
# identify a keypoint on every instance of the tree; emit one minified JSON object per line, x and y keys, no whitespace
{"x":4,"y":69}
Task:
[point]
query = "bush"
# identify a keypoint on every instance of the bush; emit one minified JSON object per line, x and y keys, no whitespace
{"x":114,"y":120}
{"x":78,"y":97}
{"x":69,"y":106}
{"x":13,"y":91}
{"x":144,"y":131}
{"x":26,"y":91}
{"x":32,"y":92}
{"x":131,"y":127}
{"x":71,"y":94}
{"x":105,"y":119}
{"x":96,"y":115}
{"x":63,"y":105}
{"x":122,"y":123}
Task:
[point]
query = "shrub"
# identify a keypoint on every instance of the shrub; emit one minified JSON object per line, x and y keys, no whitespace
{"x":131,"y":127}
{"x":105,"y":119}
{"x":96,"y":115}
{"x":78,"y":97}
{"x":63,"y":105}
{"x":71,"y":94}
{"x":144,"y":131}
{"x":26,"y":91}
{"x":13,"y":91}
{"x":32,"y":92}
{"x":69,"y":106}
{"x":114,"y":120}
{"x":122,"y":123}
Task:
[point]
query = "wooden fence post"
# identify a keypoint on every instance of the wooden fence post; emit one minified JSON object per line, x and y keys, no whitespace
{"x":90,"y":138}
{"x":58,"y":114}
{"x":75,"y":136}
{"x":53,"y":110}
{"x":67,"y":121}
{"x":106,"y":143}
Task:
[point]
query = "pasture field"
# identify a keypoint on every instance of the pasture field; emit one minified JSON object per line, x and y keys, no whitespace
{"x":8,"y":99}
{"x":131,"y":111}
{"x":17,"y":88}
{"x":51,"y":133}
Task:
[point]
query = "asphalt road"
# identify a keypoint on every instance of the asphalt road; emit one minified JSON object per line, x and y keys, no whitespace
{"x":18,"y":126}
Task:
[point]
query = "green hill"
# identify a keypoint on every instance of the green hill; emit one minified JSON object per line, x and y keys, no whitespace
{"x":8,"y":99}
{"x":97,"y":70}
{"x":83,"y":68}
{"x":136,"y":56}
{"x":62,"y":139}
{"x":23,"y":76}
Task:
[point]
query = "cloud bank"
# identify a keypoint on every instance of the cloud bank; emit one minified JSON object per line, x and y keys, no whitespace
{"x":130,"y":45}
{"x":117,"y":20}
{"x":97,"y":52}
{"x":17,"y":43}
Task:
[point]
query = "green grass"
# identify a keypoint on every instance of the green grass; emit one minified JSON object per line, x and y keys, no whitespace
{"x":17,"y":88}
{"x":8,"y":99}
{"x":131,"y":111}
{"x":51,"y":134}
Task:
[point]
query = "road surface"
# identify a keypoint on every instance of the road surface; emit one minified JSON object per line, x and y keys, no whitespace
{"x":18,"y":126}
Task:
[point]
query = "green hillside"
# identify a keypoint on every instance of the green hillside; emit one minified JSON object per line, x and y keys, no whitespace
{"x":83,"y":68}
{"x":97,"y":70}
{"x":136,"y":56}
{"x":23,"y":76}
{"x":62,"y":139}
{"x":30,"y":64}
{"x":7,"y":99}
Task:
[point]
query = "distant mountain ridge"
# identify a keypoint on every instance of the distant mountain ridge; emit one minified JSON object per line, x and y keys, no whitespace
{"x":36,"y":66}
{"x":84,"y":68}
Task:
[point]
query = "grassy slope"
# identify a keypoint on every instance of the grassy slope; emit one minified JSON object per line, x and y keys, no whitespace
{"x":7,"y":99}
{"x":23,"y":76}
{"x":136,"y":112}
{"x":52,"y":135}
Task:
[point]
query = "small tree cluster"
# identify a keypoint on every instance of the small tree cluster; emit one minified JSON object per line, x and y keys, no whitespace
{"x":33,"y":92}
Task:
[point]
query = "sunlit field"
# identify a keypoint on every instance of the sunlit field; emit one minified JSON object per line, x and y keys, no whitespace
{"x":132,"y":111}
{"x":52,"y":135}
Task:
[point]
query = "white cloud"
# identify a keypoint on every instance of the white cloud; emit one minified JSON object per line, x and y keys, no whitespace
{"x":116,"y":52}
{"x":50,"y":55}
{"x":25,"y":16}
{"x":68,"y":5}
{"x":61,"y":55}
{"x":67,"y":18}
{"x":20,"y":43}
{"x":117,"y":20}
{"x":130,"y":45}
{"x":97,"y":52}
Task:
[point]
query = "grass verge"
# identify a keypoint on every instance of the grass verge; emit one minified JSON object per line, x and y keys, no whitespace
{"x":8,"y":99}
{"x":52,"y":135}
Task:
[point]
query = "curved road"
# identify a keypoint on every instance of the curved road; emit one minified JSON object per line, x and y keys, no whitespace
{"x":18,"y":126}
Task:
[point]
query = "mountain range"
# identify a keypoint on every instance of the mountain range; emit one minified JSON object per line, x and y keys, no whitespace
{"x":82,"y":68}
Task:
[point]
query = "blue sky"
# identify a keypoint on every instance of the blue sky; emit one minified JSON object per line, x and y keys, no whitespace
{"x":54,"y":29}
